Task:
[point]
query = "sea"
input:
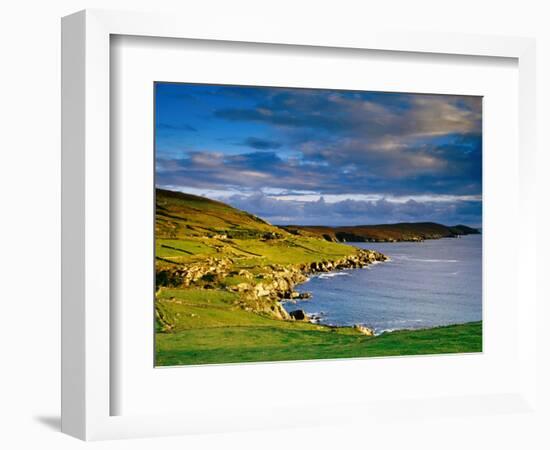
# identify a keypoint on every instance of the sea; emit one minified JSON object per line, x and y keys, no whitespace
{"x":424,"y":284}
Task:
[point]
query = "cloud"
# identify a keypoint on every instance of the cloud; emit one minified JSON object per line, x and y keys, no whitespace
{"x":353,"y":212}
{"x":265,"y":206}
{"x":216,"y":170}
{"x":393,"y":158}
{"x":434,"y":140}
{"x":452,"y":166}
{"x":260,"y":144}
{"x":363,"y":115}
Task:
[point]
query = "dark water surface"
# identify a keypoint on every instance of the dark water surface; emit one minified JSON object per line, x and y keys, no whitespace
{"x":436,"y":282}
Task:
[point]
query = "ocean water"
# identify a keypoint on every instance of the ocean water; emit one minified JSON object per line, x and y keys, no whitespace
{"x":426,"y":284}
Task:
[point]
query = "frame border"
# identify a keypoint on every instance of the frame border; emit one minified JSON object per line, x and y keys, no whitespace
{"x":85,"y":192}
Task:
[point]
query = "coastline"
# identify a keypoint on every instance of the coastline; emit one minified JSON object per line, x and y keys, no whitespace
{"x":223,"y":274}
{"x":316,"y":318}
{"x":252,"y":336}
{"x":396,"y":232}
{"x":284,"y":280}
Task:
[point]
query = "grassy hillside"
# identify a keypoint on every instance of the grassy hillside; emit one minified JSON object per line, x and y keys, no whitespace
{"x":417,"y":231}
{"x":221,"y":274}
{"x":180,"y":215}
{"x":191,"y":228}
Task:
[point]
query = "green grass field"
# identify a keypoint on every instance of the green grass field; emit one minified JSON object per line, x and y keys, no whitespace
{"x":237,"y":344}
{"x":197,"y":326}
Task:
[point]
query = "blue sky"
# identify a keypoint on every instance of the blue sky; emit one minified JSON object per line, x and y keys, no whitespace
{"x":330,"y":157}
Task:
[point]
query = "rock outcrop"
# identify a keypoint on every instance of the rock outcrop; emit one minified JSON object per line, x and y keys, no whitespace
{"x":364,"y":330}
{"x":278,"y":281}
{"x":185,"y":276}
{"x":262,"y":292}
{"x":298,"y":314}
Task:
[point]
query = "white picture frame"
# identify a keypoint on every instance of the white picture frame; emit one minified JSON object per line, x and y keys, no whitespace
{"x":86,"y":289}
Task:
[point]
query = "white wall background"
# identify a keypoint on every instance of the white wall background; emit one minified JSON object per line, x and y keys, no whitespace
{"x":29,"y":225}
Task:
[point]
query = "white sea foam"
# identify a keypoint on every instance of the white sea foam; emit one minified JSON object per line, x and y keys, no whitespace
{"x":316,"y":317}
{"x":434,"y":260}
{"x":333,"y":274}
{"x":405,"y":320}
{"x":385,"y":330}
{"x":407,"y":258}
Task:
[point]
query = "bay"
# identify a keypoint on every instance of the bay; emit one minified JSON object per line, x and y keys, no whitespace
{"x":425,"y":284}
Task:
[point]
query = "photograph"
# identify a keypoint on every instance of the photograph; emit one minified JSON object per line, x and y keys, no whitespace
{"x":297,"y":223}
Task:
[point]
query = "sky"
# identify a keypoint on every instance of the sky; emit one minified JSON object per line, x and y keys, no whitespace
{"x":323,"y":157}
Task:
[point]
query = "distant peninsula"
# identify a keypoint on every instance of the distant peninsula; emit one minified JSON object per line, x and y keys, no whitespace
{"x":397,"y":232}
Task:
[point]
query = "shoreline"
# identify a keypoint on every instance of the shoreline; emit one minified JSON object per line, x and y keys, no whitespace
{"x":335,"y":316}
{"x":367,"y":258}
{"x":363,"y":259}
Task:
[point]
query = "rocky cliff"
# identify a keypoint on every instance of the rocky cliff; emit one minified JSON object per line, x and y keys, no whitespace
{"x":261,"y":289}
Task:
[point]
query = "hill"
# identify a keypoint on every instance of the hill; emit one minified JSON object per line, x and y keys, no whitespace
{"x":416,"y":231}
{"x":180,"y":215}
{"x":190,"y":228}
